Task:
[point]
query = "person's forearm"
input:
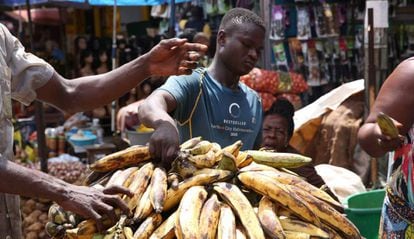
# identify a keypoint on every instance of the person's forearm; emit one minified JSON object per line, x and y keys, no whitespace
{"x":368,"y":140}
{"x":153,"y":113}
{"x":90,"y":92}
{"x":16,"y":179}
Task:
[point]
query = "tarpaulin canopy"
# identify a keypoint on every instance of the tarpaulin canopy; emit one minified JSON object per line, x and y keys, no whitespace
{"x":132,"y":2}
{"x":16,"y":3}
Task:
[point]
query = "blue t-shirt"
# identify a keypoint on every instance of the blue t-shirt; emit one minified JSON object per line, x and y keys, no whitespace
{"x":221,"y":115}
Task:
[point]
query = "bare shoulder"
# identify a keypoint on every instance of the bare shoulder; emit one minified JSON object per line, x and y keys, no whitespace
{"x":396,"y":95}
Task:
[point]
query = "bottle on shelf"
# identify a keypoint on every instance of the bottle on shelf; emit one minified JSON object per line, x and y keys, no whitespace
{"x":97,"y":130}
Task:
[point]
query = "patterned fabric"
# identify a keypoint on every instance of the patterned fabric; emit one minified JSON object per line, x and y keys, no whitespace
{"x":397,"y":219}
{"x":21,"y":74}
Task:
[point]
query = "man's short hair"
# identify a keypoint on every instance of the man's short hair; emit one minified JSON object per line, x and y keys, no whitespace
{"x":241,"y":16}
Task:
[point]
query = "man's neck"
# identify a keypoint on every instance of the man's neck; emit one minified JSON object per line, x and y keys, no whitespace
{"x":221,"y":74}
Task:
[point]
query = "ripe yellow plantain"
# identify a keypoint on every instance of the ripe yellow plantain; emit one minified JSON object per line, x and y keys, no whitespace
{"x":243,"y":159}
{"x":224,"y":174}
{"x":297,"y":235}
{"x":231,"y":194}
{"x":182,"y":166}
{"x":387,"y":125}
{"x":190,"y":143}
{"x":327,"y":213}
{"x":278,"y":192}
{"x":226,"y":228}
{"x":234,"y":148}
{"x":166,"y":229}
{"x":254,"y":167}
{"x":286,"y":178}
{"x":144,"y":207}
{"x":240,"y":232}
{"x":332,"y":233}
{"x":174,"y":195}
{"x":201,"y":148}
{"x":148,"y":226}
{"x":227,"y":162}
{"x":289,"y":224}
{"x":215,"y":147}
{"x":188,"y":213}
{"x":279,"y":160}
{"x":173,"y":179}
{"x":113,"y":178}
{"x":159,"y":186}
{"x":86,"y":228}
{"x":126,"y":177}
{"x":139,"y":184}
{"x":206,"y":160}
{"x":269,"y":220}
{"x":209,"y":218}
{"x":121,"y":159}
{"x":128,"y":233}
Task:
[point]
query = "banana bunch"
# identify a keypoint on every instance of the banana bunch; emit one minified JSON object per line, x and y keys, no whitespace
{"x":307,"y":211}
{"x":210,"y":192}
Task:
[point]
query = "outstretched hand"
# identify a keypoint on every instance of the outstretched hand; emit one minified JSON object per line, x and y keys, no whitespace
{"x":96,"y":204}
{"x":174,"y":57}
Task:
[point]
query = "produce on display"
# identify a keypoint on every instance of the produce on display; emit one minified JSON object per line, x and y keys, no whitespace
{"x":209,"y":192}
{"x":35,"y":211}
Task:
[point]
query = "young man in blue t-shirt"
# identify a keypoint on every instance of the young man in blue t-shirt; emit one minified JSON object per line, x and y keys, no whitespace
{"x":211,"y":102}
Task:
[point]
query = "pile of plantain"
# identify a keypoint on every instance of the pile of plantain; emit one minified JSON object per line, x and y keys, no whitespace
{"x":209,"y":192}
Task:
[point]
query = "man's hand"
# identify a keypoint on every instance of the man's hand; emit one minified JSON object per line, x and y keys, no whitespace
{"x":174,"y":57}
{"x":164,"y":143}
{"x":95,"y":203}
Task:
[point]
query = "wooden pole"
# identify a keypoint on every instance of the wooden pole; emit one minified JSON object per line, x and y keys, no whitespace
{"x":371,"y":84}
{"x":265,"y":6}
{"x":171,"y":25}
{"x":40,"y":122}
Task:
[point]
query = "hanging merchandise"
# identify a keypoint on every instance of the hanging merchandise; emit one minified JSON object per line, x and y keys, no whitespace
{"x":280,"y":56}
{"x":344,"y":60}
{"x":330,"y":55}
{"x":331,"y":27}
{"x":161,"y":11}
{"x":313,"y":65}
{"x":304,"y":30}
{"x":296,"y":54}
{"x":323,"y":65}
{"x":211,"y":7}
{"x":277,"y":23}
{"x":223,"y":6}
{"x":320,"y":24}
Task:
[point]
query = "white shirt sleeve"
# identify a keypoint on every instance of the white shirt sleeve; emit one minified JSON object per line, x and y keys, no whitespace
{"x":28,"y":72}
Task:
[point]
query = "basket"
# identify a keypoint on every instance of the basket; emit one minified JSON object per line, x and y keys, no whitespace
{"x":364,"y":210}
{"x":138,"y":138}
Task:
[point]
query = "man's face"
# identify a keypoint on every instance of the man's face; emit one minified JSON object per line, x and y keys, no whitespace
{"x":241,"y":47}
{"x":275,"y":133}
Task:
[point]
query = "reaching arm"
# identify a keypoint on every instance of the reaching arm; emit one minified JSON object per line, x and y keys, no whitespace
{"x":154,"y":113}
{"x":169,"y":57}
{"x":395,"y":99}
{"x":85,"y":201}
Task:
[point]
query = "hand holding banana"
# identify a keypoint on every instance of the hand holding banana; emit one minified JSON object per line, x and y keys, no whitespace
{"x":389,"y":138}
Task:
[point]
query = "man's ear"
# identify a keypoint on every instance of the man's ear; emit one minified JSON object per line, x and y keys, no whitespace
{"x":221,"y":37}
